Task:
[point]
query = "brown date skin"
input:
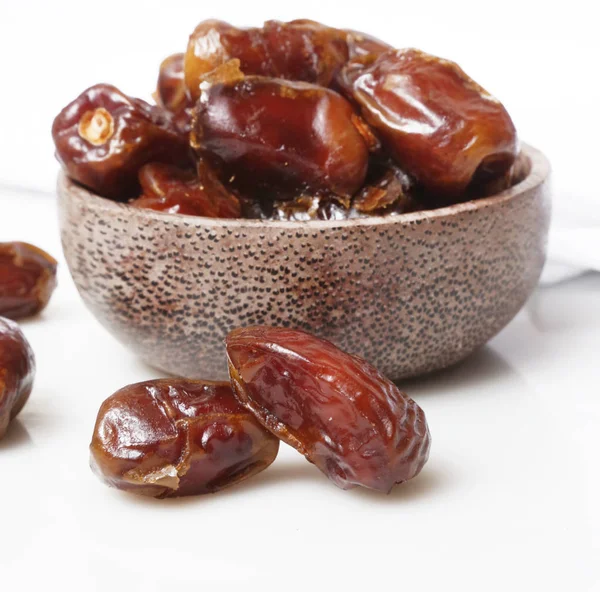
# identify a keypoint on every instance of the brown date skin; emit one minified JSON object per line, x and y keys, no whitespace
{"x":27,"y":279}
{"x":387,"y":190}
{"x":335,"y":408}
{"x":171,"y":91}
{"x":214,"y":43}
{"x":305,"y":50}
{"x":17,"y":371}
{"x":103,"y":137}
{"x":299,"y":50}
{"x":175,"y":437}
{"x":437,"y":123}
{"x":360,"y":45}
{"x":483,"y":186}
{"x":166,"y":188}
{"x":276,"y":135}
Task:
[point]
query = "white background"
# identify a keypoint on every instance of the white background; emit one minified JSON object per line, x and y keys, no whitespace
{"x":509,"y":499}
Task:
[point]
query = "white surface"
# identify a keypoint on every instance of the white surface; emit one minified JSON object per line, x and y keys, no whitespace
{"x":508,"y":500}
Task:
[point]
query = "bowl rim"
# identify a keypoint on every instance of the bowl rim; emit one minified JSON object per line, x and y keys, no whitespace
{"x":540,"y":170}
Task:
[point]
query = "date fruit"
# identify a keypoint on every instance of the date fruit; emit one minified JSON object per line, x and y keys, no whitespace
{"x":174,"y":437}
{"x":335,"y":408}
{"x":360,"y":45}
{"x":17,"y":371}
{"x":213,"y":43}
{"x":171,"y":91}
{"x":436,"y":122}
{"x":276,"y":134}
{"x":103,"y":137}
{"x":389,"y":191}
{"x":166,"y":188}
{"x":305,"y":50}
{"x":27,"y":279}
{"x":300,"y":50}
{"x":483,"y":185}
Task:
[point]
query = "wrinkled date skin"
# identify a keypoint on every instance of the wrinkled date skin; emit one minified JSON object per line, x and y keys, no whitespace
{"x":437,"y":123}
{"x":175,"y":437}
{"x":335,"y":408}
{"x":166,"y":188}
{"x":276,"y":135}
{"x":17,"y":371}
{"x":300,"y":50}
{"x":103,"y":137}
{"x":27,"y":279}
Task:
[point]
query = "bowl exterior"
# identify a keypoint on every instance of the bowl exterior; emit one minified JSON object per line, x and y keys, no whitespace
{"x":410,"y":294}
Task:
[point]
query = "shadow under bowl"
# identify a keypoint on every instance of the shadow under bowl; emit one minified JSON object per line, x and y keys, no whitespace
{"x":410,"y":293}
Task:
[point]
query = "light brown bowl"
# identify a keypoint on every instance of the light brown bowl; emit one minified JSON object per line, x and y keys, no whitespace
{"x":411,"y":294}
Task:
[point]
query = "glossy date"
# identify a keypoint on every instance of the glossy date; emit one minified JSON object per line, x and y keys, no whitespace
{"x":292,"y":121}
{"x":176,"y":437}
{"x":166,"y":188}
{"x":103,"y":137}
{"x":171,"y":91}
{"x":282,"y":138}
{"x":335,"y":408}
{"x":17,"y":371}
{"x":361,"y":45}
{"x":387,"y":190}
{"x":438,"y":125}
{"x":27,"y":279}
{"x":301,"y":50}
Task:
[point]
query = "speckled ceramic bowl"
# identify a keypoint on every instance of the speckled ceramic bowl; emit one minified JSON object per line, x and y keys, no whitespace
{"x":411,"y":293}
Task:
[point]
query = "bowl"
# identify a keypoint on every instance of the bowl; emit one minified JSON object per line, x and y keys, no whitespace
{"x":411,"y":293}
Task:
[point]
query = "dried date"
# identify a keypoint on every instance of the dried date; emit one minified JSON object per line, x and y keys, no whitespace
{"x":282,"y":137}
{"x":27,"y":279}
{"x":17,"y":371}
{"x":103,"y":137}
{"x":214,"y":43}
{"x":361,"y":45}
{"x":171,"y":91}
{"x":300,"y":50}
{"x":484,"y":185}
{"x":335,"y":408}
{"x":166,"y":188}
{"x":176,"y":437}
{"x":389,"y":190}
{"x":435,"y":121}
{"x":305,"y":50}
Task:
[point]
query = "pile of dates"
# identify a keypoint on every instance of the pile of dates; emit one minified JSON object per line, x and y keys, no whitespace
{"x":292,"y":121}
{"x":27,"y":280}
{"x":174,"y":437}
